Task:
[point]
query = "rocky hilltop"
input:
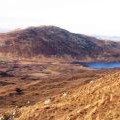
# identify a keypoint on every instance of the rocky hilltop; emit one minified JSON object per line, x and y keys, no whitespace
{"x":51,"y":40}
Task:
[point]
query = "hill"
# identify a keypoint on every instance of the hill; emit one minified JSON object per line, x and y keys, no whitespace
{"x":54,"y":41}
{"x":96,"y":100}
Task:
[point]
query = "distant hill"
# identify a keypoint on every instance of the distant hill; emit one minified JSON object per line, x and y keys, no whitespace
{"x":2,"y":30}
{"x":54,"y":41}
{"x":113,"y":38}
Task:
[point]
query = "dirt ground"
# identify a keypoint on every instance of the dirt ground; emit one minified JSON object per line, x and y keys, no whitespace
{"x":28,"y":82}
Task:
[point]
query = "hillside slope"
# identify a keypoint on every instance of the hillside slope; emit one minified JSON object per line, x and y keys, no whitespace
{"x":98,"y":100}
{"x":51,"y":40}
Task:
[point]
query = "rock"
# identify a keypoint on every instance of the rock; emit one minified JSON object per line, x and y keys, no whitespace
{"x":64,"y":94}
{"x":6,"y":117}
{"x":2,"y":117}
{"x":91,"y":81}
{"x":28,"y":102}
{"x":16,"y":106}
{"x":48,"y":101}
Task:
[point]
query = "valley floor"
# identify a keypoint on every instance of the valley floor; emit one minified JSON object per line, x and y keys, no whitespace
{"x":58,"y":90}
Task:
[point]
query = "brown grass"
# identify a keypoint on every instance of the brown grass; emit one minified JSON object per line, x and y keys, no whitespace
{"x":94,"y":101}
{"x":72,"y":94}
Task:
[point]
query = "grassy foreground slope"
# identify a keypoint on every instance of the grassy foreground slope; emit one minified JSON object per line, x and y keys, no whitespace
{"x":96,"y":100}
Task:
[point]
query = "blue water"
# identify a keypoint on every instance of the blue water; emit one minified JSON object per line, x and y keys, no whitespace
{"x":102,"y":65}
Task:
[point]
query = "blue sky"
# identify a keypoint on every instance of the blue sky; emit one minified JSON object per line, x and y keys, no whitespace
{"x":99,"y":17}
